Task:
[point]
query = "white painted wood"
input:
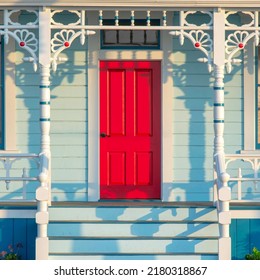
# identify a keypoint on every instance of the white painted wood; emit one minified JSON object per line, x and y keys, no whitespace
{"x":93,"y":115}
{"x":224,"y":251}
{"x":122,"y":246}
{"x":225,"y":217}
{"x":43,"y":193}
{"x":145,"y":3}
{"x":17,"y":214}
{"x":42,"y":218}
{"x":42,"y":248}
{"x":133,"y":230}
{"x":10,"y":97}
{"x":131,"y":213}
{"x":245,"y":214}
{"x":219,"y":38}
{"x":167,"y":116}
{"x":44,"y":37}
{"x":249,"y":97}
{"x":95,"y":55}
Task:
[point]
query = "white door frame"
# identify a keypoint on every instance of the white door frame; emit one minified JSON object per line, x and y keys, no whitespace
{"x":94,"y":56}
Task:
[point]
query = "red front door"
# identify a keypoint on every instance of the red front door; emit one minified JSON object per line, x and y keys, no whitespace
{"x":130,"y":129}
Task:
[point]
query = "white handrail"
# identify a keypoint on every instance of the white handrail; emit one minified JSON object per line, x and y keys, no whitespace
{"x":8,"y":159}
{"x":254,"y":161}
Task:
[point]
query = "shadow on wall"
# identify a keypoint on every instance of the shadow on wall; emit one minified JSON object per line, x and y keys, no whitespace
{"x":193,"y":138}
{"x":69,"y":126}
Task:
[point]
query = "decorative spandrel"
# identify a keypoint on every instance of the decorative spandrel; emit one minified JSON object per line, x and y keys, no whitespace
{"x":24,"y":32}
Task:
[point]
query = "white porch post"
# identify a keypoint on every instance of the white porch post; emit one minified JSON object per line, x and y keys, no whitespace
{"x":42,"y":194}
{"x":224,"y":191}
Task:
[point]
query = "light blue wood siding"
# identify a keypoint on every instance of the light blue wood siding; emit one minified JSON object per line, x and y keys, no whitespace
{"x":69,"y":123}
{"x":193,"y":130}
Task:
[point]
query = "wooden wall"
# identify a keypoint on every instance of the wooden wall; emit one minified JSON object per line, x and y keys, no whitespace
{"x":13,"y":231}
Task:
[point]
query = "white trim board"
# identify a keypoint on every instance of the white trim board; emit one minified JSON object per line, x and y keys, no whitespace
{"x":249,"y":98}
{"x":9,"y":96}
{"x":95,"y":55}
{"x":17,"y":214}
{"x":134,"y":3}
{"x":245,"y":214}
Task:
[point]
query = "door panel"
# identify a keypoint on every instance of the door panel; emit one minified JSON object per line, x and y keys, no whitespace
{"x":130,"y":129}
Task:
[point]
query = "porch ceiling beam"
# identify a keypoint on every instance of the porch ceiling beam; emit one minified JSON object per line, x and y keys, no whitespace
{"x":134,"y":3}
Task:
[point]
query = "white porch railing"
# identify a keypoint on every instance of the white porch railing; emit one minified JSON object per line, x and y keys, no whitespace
{"x":244,"y":171}
{"x":42,"y":193}
{"x":10,"y":173}
{"x":240,"y":187}
{"x":13,"y":172}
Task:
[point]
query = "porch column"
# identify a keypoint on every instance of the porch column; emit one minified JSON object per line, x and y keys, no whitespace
{"x":43,"y":192}
{"x":224,"y":245}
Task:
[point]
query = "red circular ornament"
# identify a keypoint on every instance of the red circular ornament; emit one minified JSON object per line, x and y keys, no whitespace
{"x":66,"y":44}
{"x":22,"y":44}
{"x":197,"y":45}
{"x":241,"y":45}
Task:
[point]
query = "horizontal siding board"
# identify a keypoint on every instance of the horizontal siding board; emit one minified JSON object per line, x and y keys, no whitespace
{"x":193,"y":174}
{"x":198,"y":80}
{"x":202,"y":104}
{"x":69,"y":54}
{"x":189,"y":68}
{"x":186,"y":163}
{"x":207,"y":163}
{"x":69,"y":151}
{"x":184,"y":195}
{"x":60,"y":91}
{"x":69,"y":175}
{"x":72,"y":66}
{"x":206,"y":92}
{"x":205,"y":116}
{"x":73,"y":195}
{"x":56,"y":104}
{"x":133,"y":246}
{"x":193,"y":186}
{"x":59,"y":162}
{"x":68,"y":80}
{"x":57,"y":127}
{"x":193,"y":142}
{"x":33,"y":115}
{"x":69,"y":187}
{"x":180,"y":57}
{"x":59,"y":151}
{"x":139,"y":214}
{"x":132,"y":230}
{"x":62,"y":164}
{"x":197,"y":152}
{"x":198,"y":128}
{"x":74,"y":139}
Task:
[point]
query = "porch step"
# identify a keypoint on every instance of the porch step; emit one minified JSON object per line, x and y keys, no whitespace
{"x":133,"y":232}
